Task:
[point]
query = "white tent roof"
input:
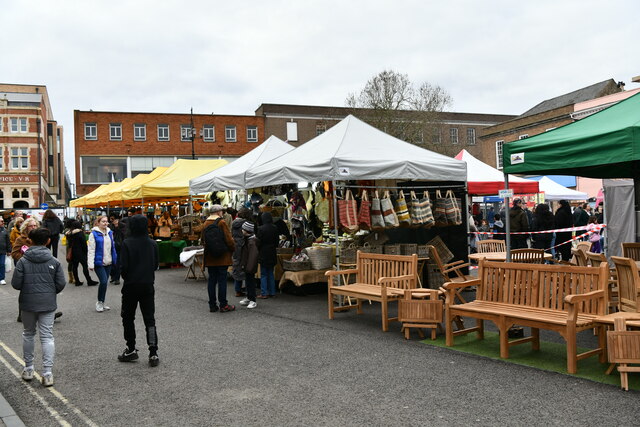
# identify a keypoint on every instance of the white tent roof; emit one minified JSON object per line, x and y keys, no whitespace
{"x":351,"y":150}
{"x":554,"y":191}
{"x":231,"y":176}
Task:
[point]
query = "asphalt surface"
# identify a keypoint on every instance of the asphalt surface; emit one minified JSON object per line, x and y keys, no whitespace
{"x":283,"y":363}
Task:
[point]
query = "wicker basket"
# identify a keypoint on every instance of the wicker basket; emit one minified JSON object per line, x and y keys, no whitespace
{"x":392,"y":249}
{"x":422,"y":251}
{"x":284,"y":251}
{"x":348,"y":255}
{"x":443,"y":251}
{"x":288,"y":265}
{"x":370,"y":249}
{"x":408,"y":248}
{"x":321,"y":257}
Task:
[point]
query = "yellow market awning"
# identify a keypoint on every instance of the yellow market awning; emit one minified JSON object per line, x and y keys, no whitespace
{"x":82,"y":200}
{"x":135,"y":187}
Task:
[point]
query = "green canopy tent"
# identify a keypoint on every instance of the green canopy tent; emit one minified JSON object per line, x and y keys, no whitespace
{"x":603,"y":145}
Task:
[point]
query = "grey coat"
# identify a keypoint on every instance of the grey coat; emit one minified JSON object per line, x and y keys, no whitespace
{"x":5,"y":246}
{"x":237,"y":271}
{"x":39,"y":278}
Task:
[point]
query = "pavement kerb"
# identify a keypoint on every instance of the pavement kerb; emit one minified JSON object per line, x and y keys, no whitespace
{"x":8,"y":416}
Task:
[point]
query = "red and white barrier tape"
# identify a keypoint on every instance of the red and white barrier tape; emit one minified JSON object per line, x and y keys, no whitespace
{"x":597,"y":227}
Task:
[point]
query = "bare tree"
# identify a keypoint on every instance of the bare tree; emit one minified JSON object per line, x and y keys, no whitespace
{"x":393,"y":104}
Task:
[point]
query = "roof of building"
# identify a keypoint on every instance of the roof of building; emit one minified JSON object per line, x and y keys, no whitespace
{"x":35,"y":98}
{"x":597,"y":90}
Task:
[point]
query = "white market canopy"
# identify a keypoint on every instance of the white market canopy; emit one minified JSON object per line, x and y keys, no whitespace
{"x":554,"y":191}
{"x":232,"y":176}
{"x":354,"y":150}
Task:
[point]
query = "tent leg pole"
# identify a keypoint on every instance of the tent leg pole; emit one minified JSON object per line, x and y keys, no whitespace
{"x":335,"y":223}
{"x":636,"y":192}
{"x":190,"y":208}
{"x":507,"y":222}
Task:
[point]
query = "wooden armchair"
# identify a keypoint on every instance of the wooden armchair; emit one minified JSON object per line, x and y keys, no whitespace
{"x":452,"y":267}
{"x":623,"y":348}
{"x":596,"y":259}
{"x":490,"y":245}
{"x":579,"y":257}
{"x":528,"y":256}
{"x":420,"y":308}
{"x":584,"y":246}
{"x":628,"y":281}
{"x":631,"y":250}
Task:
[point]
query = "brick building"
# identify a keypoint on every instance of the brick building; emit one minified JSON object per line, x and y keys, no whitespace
{"x":111,"y":146}
{"x":300,"y":123}
{"x":31,"y":149}
{"x":545,"y":116}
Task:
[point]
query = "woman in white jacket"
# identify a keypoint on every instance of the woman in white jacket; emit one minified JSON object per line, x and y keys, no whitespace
{"x":101,"y":256}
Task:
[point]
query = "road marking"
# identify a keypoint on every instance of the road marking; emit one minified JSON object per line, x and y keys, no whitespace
{"x":52,"y":390}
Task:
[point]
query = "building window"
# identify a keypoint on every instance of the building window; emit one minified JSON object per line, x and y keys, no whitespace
{"x":1,"y":158}
{"x":252,"y":133}
{"x":15,"y":194}
{"x":115,"y":131}
{"x":185,"y":132}
{"x":24,"y":193}
{"x":292,"y":131}
{"x":208,"y":133}
{"x":19,"y":158}
{"x":139,"y":132}
{"x":163,"y":132}
{"x":147,"y":164}
{"x":230,"y":133}
{"x":19,"y":125}
{"x":526,"y":135}
{"x":471,"y":136}
{"x":90,"y":131}
{"x":435,"y":136}
{"x":102,"y":170}
{"x":453,"y":135}
{"x":499,"y":145}
{"x":320,"y":129}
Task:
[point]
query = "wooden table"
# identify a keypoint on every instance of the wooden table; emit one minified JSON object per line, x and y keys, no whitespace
{"x":196,"y":270}
{"x":497,"y":256}
{"x":633,"y":321}
{"x":303,"y":277}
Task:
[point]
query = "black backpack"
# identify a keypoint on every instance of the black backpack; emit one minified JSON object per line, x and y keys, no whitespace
{"x":214,"y":242}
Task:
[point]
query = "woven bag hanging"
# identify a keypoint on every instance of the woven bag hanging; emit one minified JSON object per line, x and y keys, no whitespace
{"x":440,"y":212}
{"x":364,"y":213}
{"x":348,"y":213}
{"x":389,"y":215}
{"x":401,"y":210}
{"x":377,"y":221}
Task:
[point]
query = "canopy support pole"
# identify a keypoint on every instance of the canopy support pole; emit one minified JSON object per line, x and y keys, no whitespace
{"x":335,"y":223}
{"x":635,"y":168}
{"x":507,"y":222}
{"x":190,"y":208}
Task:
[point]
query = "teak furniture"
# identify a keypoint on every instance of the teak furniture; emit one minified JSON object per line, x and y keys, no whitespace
{"x":628,"y":282}
{"x":420,"y":308}
{"x":579,"y":257}
{"x":559,"y":298}
{"x":595,"y":260}
{"x":490,"y":245}
{"x":623,"y":348}
{"x":631,"y":250}
{"x":499,"y":256}
{"x":527,"y":256}
{"x":377,"y":277}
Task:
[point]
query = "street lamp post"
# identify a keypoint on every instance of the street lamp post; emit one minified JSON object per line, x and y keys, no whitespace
{"x":193,"y":137}
{"x":39,"y":165}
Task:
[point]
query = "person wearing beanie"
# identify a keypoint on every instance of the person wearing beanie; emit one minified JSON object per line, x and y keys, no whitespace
{"x":249,"y":263}
{"x":244,"y":214}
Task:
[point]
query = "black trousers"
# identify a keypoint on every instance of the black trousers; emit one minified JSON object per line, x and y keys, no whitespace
{"x":85,"y":271}
{"x":130,"y":301}
{"x":53,"y":245}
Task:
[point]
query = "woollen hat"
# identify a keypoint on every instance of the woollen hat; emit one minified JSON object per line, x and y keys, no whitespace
{"x":248,"y":227}
{"x":216,"y":208}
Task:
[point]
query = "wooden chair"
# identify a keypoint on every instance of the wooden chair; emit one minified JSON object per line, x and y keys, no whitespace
{"x":528,"y":256}
{"x":631,"y":250}
{"x":420,"y":308}
{"x":453,"y":267}
{"x":596,"y":259}
{"x":491,"y":245}
{"x":584,"y":246}
{"x":628,"y":281}
{"x":623,"y":348}
{"x":579,"y":257}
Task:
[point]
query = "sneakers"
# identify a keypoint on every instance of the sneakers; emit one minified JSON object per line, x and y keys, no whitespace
{"x":128,"y":355}
{"x":213,"y":309}
{"x":58,"y":314}
{"x":3,"y":282}
{"x":227,"y":307}
{"x":27,"y":374}
{"x":92,"y":284}
{"x":252,"y":304}
{"x":99,"y":307}
{"x":47,"y":379}
{"x":244,"y":301}
{"x":115,"y":282}
{"x":154,"y":360}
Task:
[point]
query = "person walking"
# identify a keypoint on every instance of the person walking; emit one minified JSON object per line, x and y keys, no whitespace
{"x":5,"y":248}
{"x":101,"y":255}
{"x":22,"y":243}
{"x":138,"y":262}
{"x":268,"y":239}
{"x":542,"y":220}
{"x":118,"y":237}
{"x":52,"y":223}
{"x":518,"y":223}
{"x":14,"y":231}
{"x":564,"y":220}
{"x":39,"y":278}
{"x":237,"y":273}
{"x":218,"y":248}
{"x":77,"y":244}
{"x":249,"y":262}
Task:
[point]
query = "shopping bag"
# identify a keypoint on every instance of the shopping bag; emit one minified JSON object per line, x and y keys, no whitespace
{"x":389,"y":215}
{"x":377,"y":221}
{"x":452,"y":209}
{"x":364,"y":213}
{"x":348,"y":213}
{"x":440,"y":211}
{"x":8,"y":264}
{"x":425,"y":204}
{"x":401,"y":210}
{"x":322,"y":207}
{"x":421,"y":210}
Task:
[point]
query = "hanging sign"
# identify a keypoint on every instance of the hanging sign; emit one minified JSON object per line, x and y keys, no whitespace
{"x":505,"y":193}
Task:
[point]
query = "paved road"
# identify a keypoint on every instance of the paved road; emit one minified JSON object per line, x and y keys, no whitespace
{"x":283,"y":363}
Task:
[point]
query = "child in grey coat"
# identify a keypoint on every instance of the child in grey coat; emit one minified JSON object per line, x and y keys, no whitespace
{"x":39,"y":278}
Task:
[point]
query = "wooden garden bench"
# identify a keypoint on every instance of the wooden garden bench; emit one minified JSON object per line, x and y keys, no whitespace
{"x":565,"y":299}
{"x":378,"y":277}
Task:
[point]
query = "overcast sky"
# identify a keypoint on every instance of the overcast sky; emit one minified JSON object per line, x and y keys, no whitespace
{"x":230,"y":57}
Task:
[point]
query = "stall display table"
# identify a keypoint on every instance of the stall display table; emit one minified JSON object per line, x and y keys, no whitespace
{"x":303,"y":277}
{"x":169,"y":251}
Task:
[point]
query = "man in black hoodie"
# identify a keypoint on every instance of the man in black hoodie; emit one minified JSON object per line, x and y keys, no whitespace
{"x":138,"y":263}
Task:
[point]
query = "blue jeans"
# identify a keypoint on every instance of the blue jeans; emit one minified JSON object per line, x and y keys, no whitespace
{"x":267,"y":281}
{"x":103,"y":273}
{"x":44,"y":321}
{"x":217,"y":277}
{"x":238,"y":285}
{"x":3,"y":257}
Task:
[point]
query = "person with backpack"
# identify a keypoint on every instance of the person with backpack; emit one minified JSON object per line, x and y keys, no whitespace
{"x":218,"y":247}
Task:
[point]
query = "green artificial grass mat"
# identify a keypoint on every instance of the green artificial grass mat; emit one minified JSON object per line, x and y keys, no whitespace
{"x":551,"y":357}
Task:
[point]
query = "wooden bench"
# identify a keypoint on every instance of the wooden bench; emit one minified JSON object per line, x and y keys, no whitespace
{"x":378,"y":277}
{"x":565,"y":299}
